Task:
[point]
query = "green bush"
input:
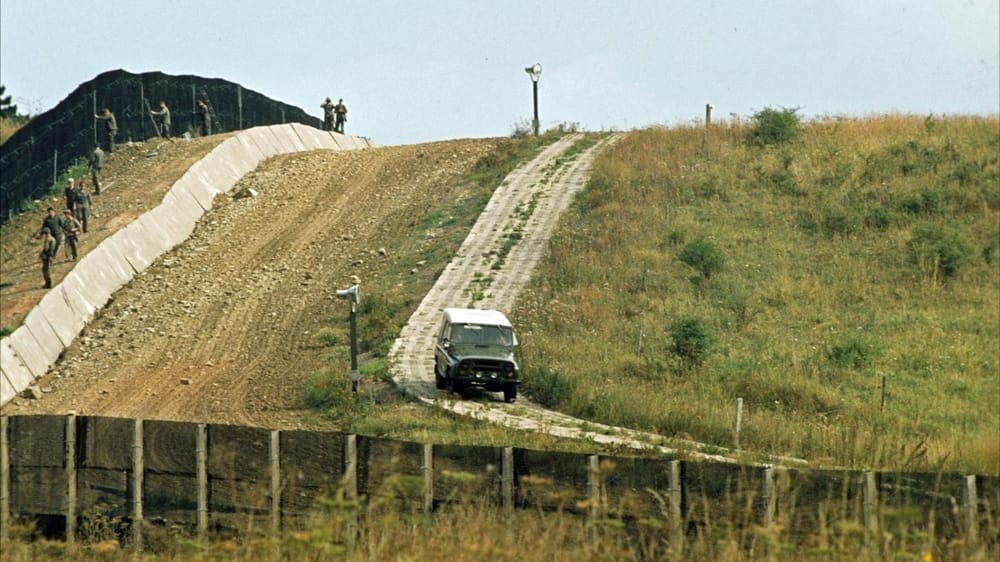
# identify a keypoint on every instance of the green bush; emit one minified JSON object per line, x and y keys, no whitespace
{"x":774,"y":126}
{"x":852,"y":352}
{"x":939,"y":250}
{"x":702,"y":255}
{"x":324,"y":390}
{"x":691,"y":340}
{"x":548,"y":388}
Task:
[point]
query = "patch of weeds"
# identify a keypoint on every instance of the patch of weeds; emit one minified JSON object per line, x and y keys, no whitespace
{"x":852,"y":352}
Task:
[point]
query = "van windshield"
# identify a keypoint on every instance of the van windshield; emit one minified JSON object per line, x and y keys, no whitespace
{"x":476,"y":334}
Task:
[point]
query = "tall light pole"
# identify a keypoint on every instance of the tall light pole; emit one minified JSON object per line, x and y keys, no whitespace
{"x":534,"y":71}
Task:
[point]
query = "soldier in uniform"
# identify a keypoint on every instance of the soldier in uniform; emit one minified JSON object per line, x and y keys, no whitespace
{"x":71,"y":229}
{"x":203,"y":118}
{"x":54,"y":226}
{"x":341,"y":110}
{"x":82,"y":205}
{"x":48,"y":252}
{"x":96,"y":163}
{"x":110,"y":127}
{"x":327,"y":106}
{"x":70,"y":193}
{"x":163,"y":116}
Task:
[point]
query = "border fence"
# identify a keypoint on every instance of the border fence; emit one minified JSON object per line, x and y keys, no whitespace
{"x":33,"y":157}
{"x":215,"y":480}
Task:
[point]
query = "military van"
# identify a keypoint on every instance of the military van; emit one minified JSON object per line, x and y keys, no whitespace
{"x":475,"y":348}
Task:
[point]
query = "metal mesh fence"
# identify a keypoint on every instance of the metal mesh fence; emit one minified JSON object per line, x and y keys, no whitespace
{"x":239,"y":478}
{"x":32,"y":159}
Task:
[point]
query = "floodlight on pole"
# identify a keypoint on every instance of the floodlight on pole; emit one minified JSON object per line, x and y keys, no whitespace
{"x":534,"y":71}
{"x":353,"y":294}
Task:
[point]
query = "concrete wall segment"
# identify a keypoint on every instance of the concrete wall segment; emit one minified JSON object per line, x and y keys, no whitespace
{"x":197,"y":186}
{"x":265,"y":141}
{"x":213,"y":180}
{"x":174,"y":228}
{"x":287,"y":137}
{"x":7,"y":389}
{"x":267,"y":135}
{"x":77,"y":296}
{"x":134,"y":255}
{"x":28,"y":350}
{"x":235,"y":157}
{"x":183,"y":204}
{"x":306,"y":136}
{"x":249,"y":147}
{"x":15,"y":373}
{"x":47,"y":348}
{"x":61,"y":317}
{"x":157,"y":232}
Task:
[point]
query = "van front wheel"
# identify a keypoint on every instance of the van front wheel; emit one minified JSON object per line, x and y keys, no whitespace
{"x":510,"y":393}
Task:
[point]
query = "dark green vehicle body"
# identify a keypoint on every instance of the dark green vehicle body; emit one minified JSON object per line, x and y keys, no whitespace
{"x":475,"y":348}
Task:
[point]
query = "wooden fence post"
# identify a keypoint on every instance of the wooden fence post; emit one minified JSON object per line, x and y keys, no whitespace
{"x":594,"y":483}
{"x":507,"y":477}
{"x":737,"y":422}
{"x":70,"y":478}
{"x":137,"y":485}
{"x":870,"y":492}
{"x":275,"y":457}
{"x":970,"y":505}
{"x":351,"y":489}
{"x":4,"y":478}
{"x":201,"y":460}
{"x":428,"y":470}
{"x":675,"y":491}
{"x":767,"y":499}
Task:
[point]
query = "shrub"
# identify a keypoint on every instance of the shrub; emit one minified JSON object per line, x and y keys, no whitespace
{"x":836,"y":222}
{"x":852,"y":352}
{"x":548,"y":388}
{"x":691,"y":340}
{"x":774,"y":126}
{"x":939,"y":250}
{"x":324,"y":390}
{"x":702,"y":255}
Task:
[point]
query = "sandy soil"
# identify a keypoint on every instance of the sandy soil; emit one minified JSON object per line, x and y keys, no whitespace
{"x":219,"y":329}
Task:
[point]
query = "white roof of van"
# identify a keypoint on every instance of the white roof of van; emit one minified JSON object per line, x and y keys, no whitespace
{"x":476,"y":316}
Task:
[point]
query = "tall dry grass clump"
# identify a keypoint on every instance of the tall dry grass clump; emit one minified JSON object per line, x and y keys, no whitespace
{"x":860,"y":252}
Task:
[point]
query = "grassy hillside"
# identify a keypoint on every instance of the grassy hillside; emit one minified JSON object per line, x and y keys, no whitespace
{"x":699,"y":268}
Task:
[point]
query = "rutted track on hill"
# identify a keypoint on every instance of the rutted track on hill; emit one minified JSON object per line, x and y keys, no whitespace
{"x":530,"y":202}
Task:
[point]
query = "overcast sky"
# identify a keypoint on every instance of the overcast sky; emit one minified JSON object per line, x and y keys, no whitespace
{"x":428,"y":70}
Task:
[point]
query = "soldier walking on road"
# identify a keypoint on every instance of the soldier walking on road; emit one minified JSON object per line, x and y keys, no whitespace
{"x":110,"y":127}
{"x":71,"y":228}
{"x":54,"y":226}
{"x":49,"y":247}
{"x":328,"y":107}
{"x":341,"y":110}
{"x":96,"y":163}
{"x":82,"y":207}
{"x":163,"y":116}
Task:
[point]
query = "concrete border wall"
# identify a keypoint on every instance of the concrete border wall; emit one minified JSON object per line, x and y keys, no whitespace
{"x":29,"y":352}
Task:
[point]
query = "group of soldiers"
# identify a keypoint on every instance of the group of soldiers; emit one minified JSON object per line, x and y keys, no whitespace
{"x":74,"y":220}
{"x":334,"y":115}
{"x":161,"y":120}
{"x":75,"y":217}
